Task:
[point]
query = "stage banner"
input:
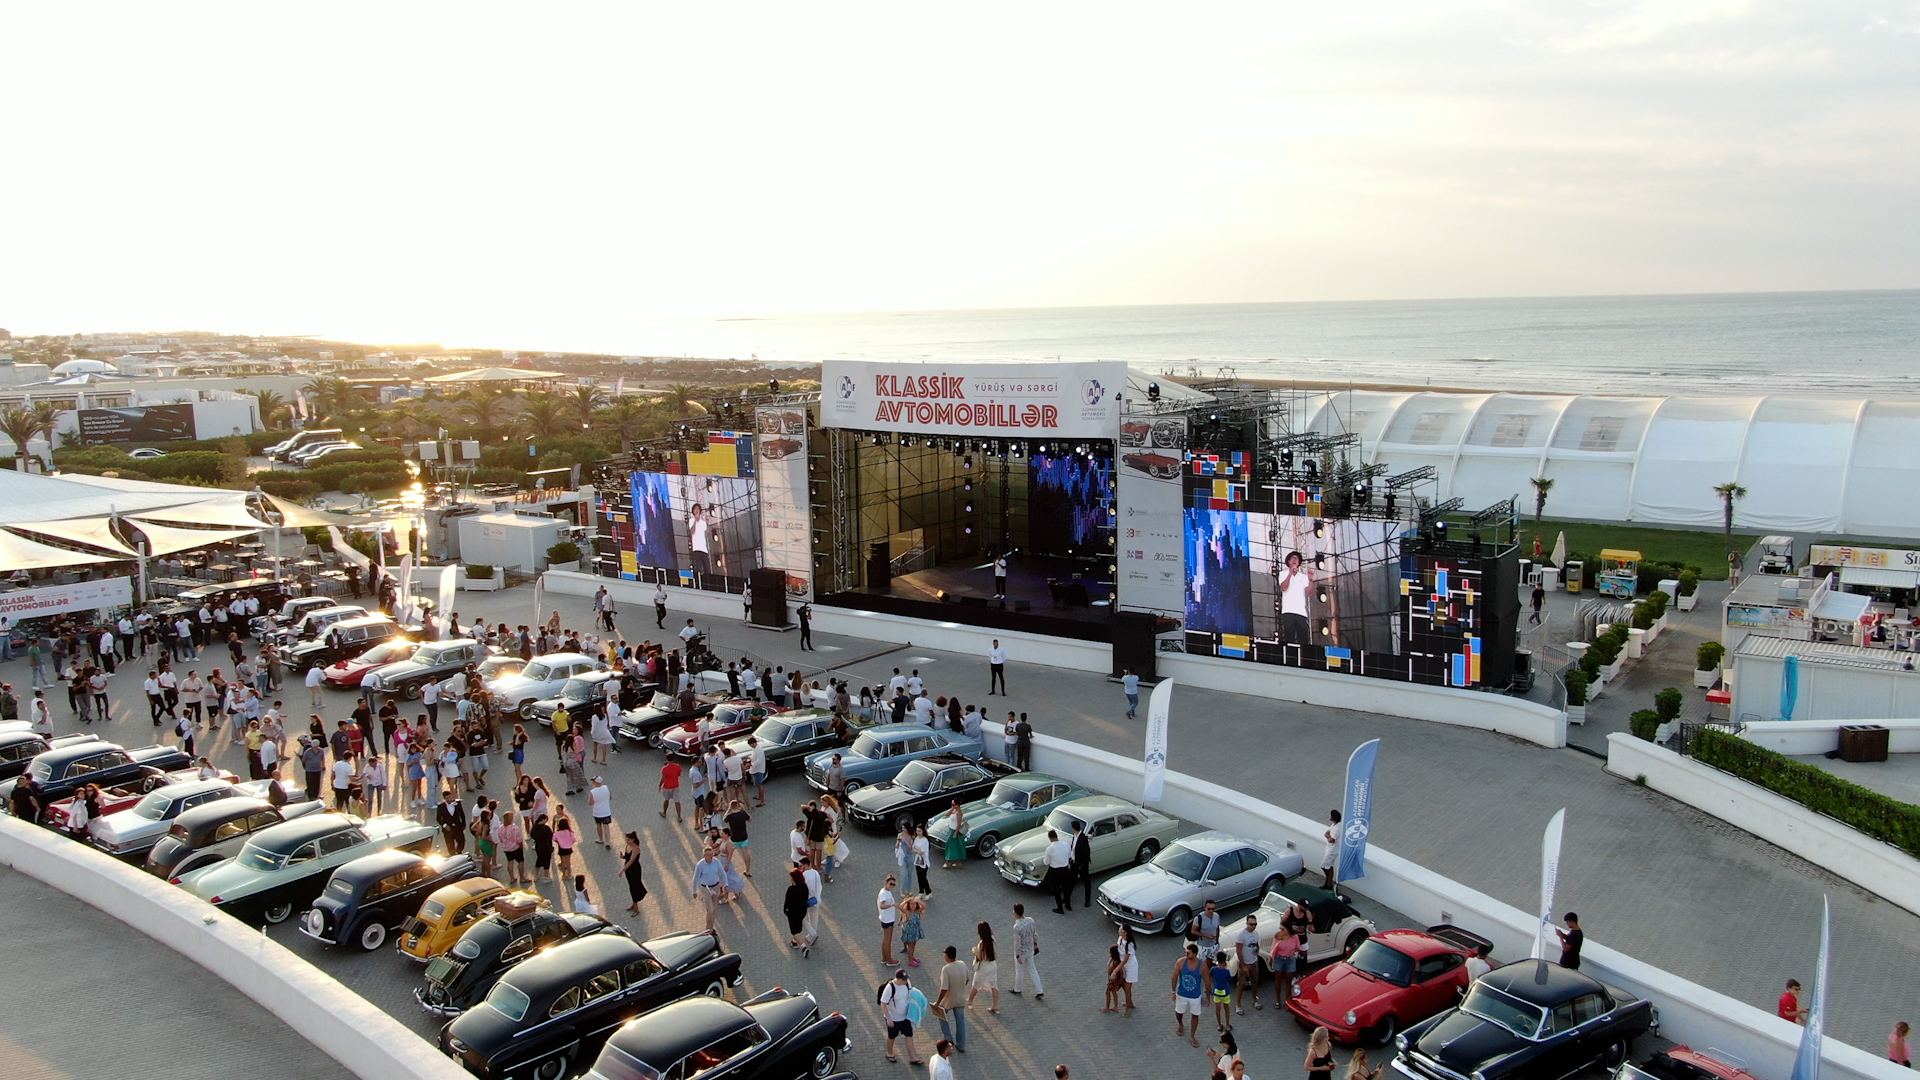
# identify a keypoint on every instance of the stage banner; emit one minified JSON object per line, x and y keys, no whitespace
{"x":139,"y":423}
{"x":1147,"y":505}
{"x":1806,"y":1062}
{"x":1153,"y":780}
{"x":786,"y":529}
{"x":1549,"y":879}
{"x":1356,"y":818}
{"x":1024,"y":401}
{"x":54,"y":599}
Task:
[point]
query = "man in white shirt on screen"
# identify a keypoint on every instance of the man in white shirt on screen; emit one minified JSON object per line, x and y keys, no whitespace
{"x":1296,"y":589}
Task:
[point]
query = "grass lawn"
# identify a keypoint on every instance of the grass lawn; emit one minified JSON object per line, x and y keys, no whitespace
{"x":1707,"y":550}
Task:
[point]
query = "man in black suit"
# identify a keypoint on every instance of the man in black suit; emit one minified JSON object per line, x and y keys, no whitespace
{"x":1082,"y":864}
{"x":451,"y":816}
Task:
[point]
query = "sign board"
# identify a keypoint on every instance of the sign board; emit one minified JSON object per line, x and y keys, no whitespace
{"x":1880,"y":558}
{"x":141,"y":423}
{"x":1024,"y":401}
{"x":78,"y":596}
{"x":786,"y":529}
{"x":1764,"y":616}
{"x":1147,"y":505}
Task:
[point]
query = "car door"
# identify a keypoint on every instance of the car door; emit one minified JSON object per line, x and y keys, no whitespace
{"x":1221,"y":877}
{"x":1436,"y":980}
{"x":1593,"y":1034}
{"x":338,"y":847}
{"x":604,"y":1005}
{"x":1107,"y":835}
{"x":1254,"y":869}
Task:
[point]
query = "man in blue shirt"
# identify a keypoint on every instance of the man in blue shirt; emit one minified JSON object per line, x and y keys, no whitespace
{"x":1189,"y":979}
{"x":1130,"y":686}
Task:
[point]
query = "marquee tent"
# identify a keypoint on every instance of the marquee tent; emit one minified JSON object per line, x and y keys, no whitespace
{"x":167,"y":539}
{"x":95,"y":532}
{"x":22,"y":553}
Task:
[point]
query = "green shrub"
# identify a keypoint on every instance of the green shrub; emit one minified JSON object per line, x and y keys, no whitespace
{"x":1643,"y":723}
{"x":377,"y":476}
{"x":1864,"y":809}
{"x":564,"y":551}
{"x":285,"y":486}
{"x":1689,"y":580}
{"x":1605,"y":649}
{"x":1669,"y":702}
{"x":1660,"y":601}
{"x":1577,"y":683}
{"x":1590,"y":665}
{"x":1643,"y":616}
{"x":480,"y":571}
{"x":1708,"y":655}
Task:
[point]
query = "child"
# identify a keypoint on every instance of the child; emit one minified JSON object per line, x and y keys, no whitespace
{"x":1116,"y":979}
{"x":1220,"y":978}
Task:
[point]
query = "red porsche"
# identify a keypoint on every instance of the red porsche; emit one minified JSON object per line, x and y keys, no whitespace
{"x":729,"y":718}
{"x":1394,"y":979}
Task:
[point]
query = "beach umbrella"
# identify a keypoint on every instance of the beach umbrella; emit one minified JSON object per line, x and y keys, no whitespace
{"x":1559,"y":556}
{"x":1789,"y":687}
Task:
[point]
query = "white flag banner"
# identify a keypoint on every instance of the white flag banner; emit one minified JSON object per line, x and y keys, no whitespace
{"x":1806,"y":1061}
{"x":445,"y":601}
{"x":1549,"y":877}
{"x":1153,"y":781}
{"x":346,"y":550}
{"x":1559,"y":556}
{"x":403,"y":589}
{"x":539,"y":596}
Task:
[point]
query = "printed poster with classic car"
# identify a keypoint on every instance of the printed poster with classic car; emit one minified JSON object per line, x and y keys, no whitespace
{"x":1147,"y":504}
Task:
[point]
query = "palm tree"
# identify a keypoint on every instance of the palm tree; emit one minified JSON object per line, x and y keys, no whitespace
{"x":542,"y":414}
{"x":482,"y":406}
{"x":20,"y":426}
{"x":684,"y":399}
{"x":625,"y":418}
{"x":583,"y":400}
{"x":47,"y":415}
{"x":328,"y":396}
{"x":1541,"y":485}
{"x":1728,"y":492}
{"x":271,"y":405}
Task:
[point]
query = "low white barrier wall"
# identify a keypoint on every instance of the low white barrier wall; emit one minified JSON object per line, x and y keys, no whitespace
{"x":1806,"y":737}
{"x":1689,"y":1013}
{"x":339,"y":1023}
{"x":637,"y":597}
{"x":1878,"y":867}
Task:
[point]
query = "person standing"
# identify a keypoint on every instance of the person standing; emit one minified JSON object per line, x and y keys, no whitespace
{"x":922,"y":859}
{"x":313,"y":762}
{"x":1080,"y":866}
{"x":1570,"y":941}
{"x":511,"y":839}
{"x":737,"y":819}
{"x":1130,"y":962}
{"x":1246,"y":952}
{"x":602,"y":727}
{"x":1319,"y":1062}
{"x":1026,"y":953}
{"x":794,"y":906}
{"x":709,"y":878}
{"x":889,"y":915}
{"x":635,"y":874}
{"x":1130,"y":686}
{"x":343,"y":777}
{"x":1187,"y":983}
{"x":942,"y":1067}
{"x":600,"y":805}
{"x":451,"y":817}
{"x":660,"y":606}
{"x":997,"y":669}
{"x":1332,"y":850}
{"x":1539,"y":598}
{"x":1059,"y":875}
{"x":986,"y":968}
{"x":36,"y":662}
{"x":1206,"y":931}
{"x":316,"y":686}
{"x":1010,"y":738}
{"x":836,"y":779}
{"x":1897,"y":1045}
{"x":1023,"y":744}
{"x":806,"y":627}
{"x":816,"y":895}
{"x":1000,"y":576}
{"x":950,"y":1005}
{"x":757,"y":767}
{"x":896,"y":1005}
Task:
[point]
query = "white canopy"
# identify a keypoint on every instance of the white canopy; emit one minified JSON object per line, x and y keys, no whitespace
{"x":167,"y":539}
{"x":23,"y":553}
{"x":93,"y":532}
{"x":494,"y":375}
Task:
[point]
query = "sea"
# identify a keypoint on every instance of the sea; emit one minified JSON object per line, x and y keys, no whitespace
{"x":1822,"y":344}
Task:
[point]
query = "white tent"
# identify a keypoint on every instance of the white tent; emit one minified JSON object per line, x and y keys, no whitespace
{"x":23,"y":553}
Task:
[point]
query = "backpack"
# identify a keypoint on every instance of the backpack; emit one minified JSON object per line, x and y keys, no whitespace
{"x":880,"y":992}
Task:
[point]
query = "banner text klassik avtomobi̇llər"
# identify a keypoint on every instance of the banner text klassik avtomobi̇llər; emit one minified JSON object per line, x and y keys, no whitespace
{"x":1023,"y":401}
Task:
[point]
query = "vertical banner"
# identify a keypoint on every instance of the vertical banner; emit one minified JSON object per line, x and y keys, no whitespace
{"x":1147,"y":507}
{"x":1806,"y":1063}
{"x":1153,"y":781}
{"x":445,"y":600}
{"x":1549,"y":878}
{"x":1356,"y":818}
{"x":403,"y":588}
{"x":539,"y":597}
{"x":786,"y":528}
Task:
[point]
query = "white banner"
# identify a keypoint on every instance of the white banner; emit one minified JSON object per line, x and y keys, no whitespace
{"x":346,"y":550}
{"x":1153,"y":782}
{"x":1147,"y":504}
{"x":443,"y":614}
{"x":54,"y":599}
{"x":1806,"y":1061}
{"x":786,"y":529}
{"x":1549,"y":878}
{"x":1075,"y":401}
{"x":403,"y":588}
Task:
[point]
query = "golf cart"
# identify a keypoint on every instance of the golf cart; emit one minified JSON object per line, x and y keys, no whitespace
{"x":1776,"y":554}
{"x":1619,"y":573}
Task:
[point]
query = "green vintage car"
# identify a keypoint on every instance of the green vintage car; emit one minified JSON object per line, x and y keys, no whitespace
{"x":1017,"y":803}
{"x":1123,"y":834}
{"x":790,"y":736}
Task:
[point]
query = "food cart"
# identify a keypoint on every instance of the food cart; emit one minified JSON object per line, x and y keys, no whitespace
{"x":1619,"y":573}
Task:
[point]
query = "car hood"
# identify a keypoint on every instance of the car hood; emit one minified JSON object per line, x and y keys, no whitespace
{"x":1463,"y":1042}
{"x":1027,"y":847}
{"x":980,"y":816}
{"x":124,"y":826}
{"x":1149,"y":888}
{"x":228,"y":879}
{"x":1332,"y":992}
{"x":882,"y":797}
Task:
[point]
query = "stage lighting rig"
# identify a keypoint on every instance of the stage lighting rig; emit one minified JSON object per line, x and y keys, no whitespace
{"x":1402,"y":481}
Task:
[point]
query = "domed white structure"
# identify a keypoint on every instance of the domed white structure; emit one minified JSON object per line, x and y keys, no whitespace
{"x":83,"y":367}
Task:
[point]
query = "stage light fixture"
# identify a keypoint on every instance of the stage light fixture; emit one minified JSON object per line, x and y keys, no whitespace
{"x":1043,"y":448}
{"x":1153,"y":391}
{"x":1319,"y":529}
{"x":967,"y":508}
{"x":967,"y":462}
{"x":1312,"y":470}
{"x":1325,"y":630}
{"x":773,"y":386}
{"x":969,"y":530}
{"x":1286,"y":460}
{"x":1319,"y":560}
{"x":1323,"y":596}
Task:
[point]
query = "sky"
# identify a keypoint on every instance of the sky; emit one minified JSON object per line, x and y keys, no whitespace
{"x":498,"y":174}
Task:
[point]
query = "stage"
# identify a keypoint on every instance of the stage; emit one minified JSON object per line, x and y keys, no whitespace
{"x":1043,"y":597}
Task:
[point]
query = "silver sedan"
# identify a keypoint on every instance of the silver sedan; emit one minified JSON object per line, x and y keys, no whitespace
{"x":1226,"y":869}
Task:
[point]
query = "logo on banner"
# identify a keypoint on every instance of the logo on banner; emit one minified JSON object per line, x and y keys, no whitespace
{"x":847,"y":387}
{"x":1156,"y":758}
{"x":1356,"y":834}
{"x":1092,"y":392}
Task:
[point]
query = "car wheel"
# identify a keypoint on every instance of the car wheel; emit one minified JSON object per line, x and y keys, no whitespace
{"x":1382,"y":1033}
{"x":902,"y":821}
{"x":853,"y":786}
{"x":987,"y":845}
{"x":372,"y":936}
{"x":1177,"y":921}
{"x":551,"y":1069}
{"x":1271,"y":886}
{"x":526,"y":709}
{"x":716,"y":989}
{"x":1613,"y":1055}
{"x":278,"y":913}
{"x":411,"y":693}
{"x":1148,"y":849}
{"x":1354,"y":941}
{"x":825,"y":1060}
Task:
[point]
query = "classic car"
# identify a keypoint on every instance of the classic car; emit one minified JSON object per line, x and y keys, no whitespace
{"x":1016,"y":803}
{"x":113,"y":799}
{"x":1686,"y":1063}
{"x":788,"y":738}
{"x":458,"y":978}
{"x":432,"y":661}
{"x":352,"y":670}
{"x":1391,"y":979}
{"x":497,"y":666}
{"x":132,"y":832}
{"x":881,"y":751}
{"x":553,"y":1013}
{"x":575,"y":692}
{"x":289,"y":613}
{"x":217,"y":830}
{"x":446,"y":914}
{"x":344,"y":640}
{"x":1165,"y":466}
{"x":1119,"y":832}
{"x":271,"y":594}
{"x":663,"y":711}
{"x":1337,"y":928}
{"x":19,"y":746}
{"x":1529,"y":1018}
{"x":62,"y":769}
{"x":373,"y":895}
{"x":775,"y":449}
{"x":779,"y":1035}
{"x":283,"y":867}
{"x":922,"y":789}
{"x":541,"y":677}
{"x":313,"y":623}
{"x":1135,"y":433}
{"x":729,"y":718}
{"x":1213,"y":865}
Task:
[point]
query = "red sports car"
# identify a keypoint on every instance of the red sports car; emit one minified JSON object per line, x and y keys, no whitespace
{"x":349,"y":672}
{"x":1683,"y":1063}
{"x":736,"y":717}
{"x":125,"y":796}
{"x":1394,"y":979}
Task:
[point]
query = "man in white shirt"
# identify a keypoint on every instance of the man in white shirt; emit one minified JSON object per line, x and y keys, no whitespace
{"x":1246,"y":949}
{"x":430,"y":700}
{"x":1478,"y":964}
{"x":915,"y":687}
{"x":269,"y":757}
{"x":896,"y":684}
{"x":183,"y":640}
{"x":108,"y":656}
{"x":777,"y":687}
{"x":997,"y":657}
{"x":923,"y":709}
{"x":697,"y":543}
{"x":1059,"y":879}
{"x":888,"y":916}
{"x":757,"y":768}
{"x":750,"y":682}
{"x":895,"y":1001}
{"x":316,"y":676}
{"x":816,"y":888}
{"x":342,"y":782}
{"x":660,"y":606}
{"x":1296,"y":585}
{"x":688,"y":632}
{"x":156,"y":701}
{"x":942,"y":1061}
{"x":1000,"y":577}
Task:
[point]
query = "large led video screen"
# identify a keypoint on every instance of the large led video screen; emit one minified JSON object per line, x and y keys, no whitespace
{"x":695,"y":522}
{"x":1069,"y":499}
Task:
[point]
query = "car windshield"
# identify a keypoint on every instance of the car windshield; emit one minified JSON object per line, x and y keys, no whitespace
{"x":1009,"y":797}
{"x":1504,"y":1010}
{"x":255,"y":857}
{"x":726,"y":714}
{"x":617,"y":1064}
{"x":432,"y":910}
{"x":507,"y":1001}
{"x":577,"y":688}
{"x":918,"y":777}
{"x":153,"y":807}
{"x":39,"y":770}
{"x":773,"y":731}
{"x":663,"y":701}
{"x":339,"y":888}
{"x":537,"y":672}
{"x":867,"y":746}
{"x":1182,"y":862}
{"x":1383,"y":963}
{"x":1062,"y":822}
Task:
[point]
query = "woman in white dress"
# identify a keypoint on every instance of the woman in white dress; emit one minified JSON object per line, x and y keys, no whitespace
{"x":986,"y":969}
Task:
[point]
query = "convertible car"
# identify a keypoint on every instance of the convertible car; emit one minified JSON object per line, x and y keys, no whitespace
{"x":1392,"y":979}
{"x":284,"y":867}
{"x":779,"y":1035}
{"x":1016,"y":803}
{"x":1213,"y":865}
{"x":1530,"y":1018}
{"x":1121,"y":834}
{"x":1686,"y":1063}
{"x":663,"y":711}
{"x":1337,"y":928}
{"x":730,"y":718}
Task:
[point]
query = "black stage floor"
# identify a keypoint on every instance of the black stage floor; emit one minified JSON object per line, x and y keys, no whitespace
{"x":1043,"y":597}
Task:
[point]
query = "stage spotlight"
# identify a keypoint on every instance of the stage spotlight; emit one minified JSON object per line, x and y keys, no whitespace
{"x":1319,"y":529}
{"x":773,"y":386}
{"x":1312,"y":470}
{"x":969,"y":530}
{"x":968,"y":486}
{"x":1286,"y":460}
{"x":967,"y":508}
{"x":1475,"y":537}
{"x":967,"y":462}
{"x":1213,"y":418}
{"x":1363,"y":495}
{"x":1319,"y":560}
{"x":1153,"y":391}
{"x":1325,"y":630}
{"x":1323,"y":596}
{"x":1043,"y":448}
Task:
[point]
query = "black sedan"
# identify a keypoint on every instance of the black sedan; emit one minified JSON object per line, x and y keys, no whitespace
{"x":460,"y":978}
{"x":60,"y":771}
{"x":922,"y":789}
{"x":548,"y":1015}
{"x":664,"y":711}
{"x":1527,"y":1019}
{"x":776,"y":1036}
{"x":789,"y":737}
{"x":370,"y":897}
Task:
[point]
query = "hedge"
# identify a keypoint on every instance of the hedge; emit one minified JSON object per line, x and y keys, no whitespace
{"x":285,"y":486}
{"x":1860,"y":808}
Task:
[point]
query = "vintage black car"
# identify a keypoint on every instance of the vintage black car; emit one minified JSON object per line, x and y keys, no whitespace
{"x":343,"y":640}
{"x":61,"y":770}
{"x":287,"y":614}
{"x":433,"y":661}
{"x":271,"y":595}
{"x":315,"y":622}
{"x":547,"y":1016}
{"x":663,"y":711}
{"x":17,"y":748}
{"x":922,"y":789}
{"x":460,"y":978}
{"x":217,"y":830}
{"x":371,"y":896}
{"x":779,"y":1035}
{"x":1527,"y":1019}
{"x":586,"y":688}
{"x":789,"y":737}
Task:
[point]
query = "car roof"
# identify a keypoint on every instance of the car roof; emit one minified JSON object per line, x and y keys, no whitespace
{"x":366,"y":620}
{"x":570,"y":958}
{"x":293,"y":833}
{"x":671,"y":1032}
{"x":377,"y":865}
{"x":331,"y":608}
{"x":448,"y":642}
{"x":1090,"y":805}
{"x":1315,"y":897}
{"x":943,"y":760}
{"x":1415,"y":943}
{"x":1030,"y":780}
{"x":1215,"y":842}
{"x":220,"y":810}
{"x":560,"y":658}
{"x":899,"y":731}
{"x":60,"y":755}
{"x":18,"y":736}
{"x":192,"y":787}
{"x":1540,"y":982}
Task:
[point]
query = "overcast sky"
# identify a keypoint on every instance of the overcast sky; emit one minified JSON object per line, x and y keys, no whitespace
{"x":474,"y":174}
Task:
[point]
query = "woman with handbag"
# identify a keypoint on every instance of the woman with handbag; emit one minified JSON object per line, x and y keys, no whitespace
{"x":794,"y":906}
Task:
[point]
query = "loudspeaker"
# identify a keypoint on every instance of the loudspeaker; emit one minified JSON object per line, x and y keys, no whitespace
{"x":1133,"y":644}
{"x":879,"y":565}
{"x":769,"y":597}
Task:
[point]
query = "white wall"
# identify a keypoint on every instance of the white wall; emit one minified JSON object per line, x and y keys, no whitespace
{"x":1689,"y":1013}
{"x":1804,"y":737}
{"x":1825,"y":691}
{"x":339,"y":1023}
{"x":1880,"y":868}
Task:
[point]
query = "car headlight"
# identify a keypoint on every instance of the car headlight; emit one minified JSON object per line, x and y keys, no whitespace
{"x":1400,"y":1042}
{"x":1352,"y":1018}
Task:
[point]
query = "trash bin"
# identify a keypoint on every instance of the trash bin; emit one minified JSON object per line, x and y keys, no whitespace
{"x":1549,"y":578}
{"x":1863,"y":742}
{"x":1576,"y":575}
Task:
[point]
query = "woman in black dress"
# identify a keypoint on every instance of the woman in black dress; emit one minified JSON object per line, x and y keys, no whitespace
{"x":794,"y":907}
{"x":630,"y":869}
